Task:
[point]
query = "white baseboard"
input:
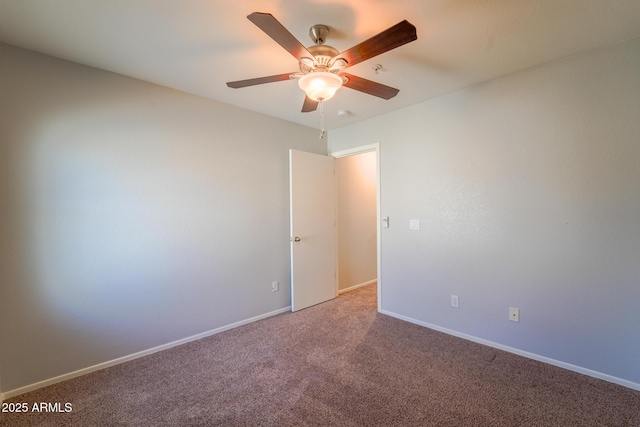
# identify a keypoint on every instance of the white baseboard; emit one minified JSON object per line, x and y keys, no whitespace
{"x":84,"y":371}
{"x":539,"y":358}
{"x":354,"y":287}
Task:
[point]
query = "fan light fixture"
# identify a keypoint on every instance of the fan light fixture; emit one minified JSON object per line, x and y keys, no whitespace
{"x":321,"y":66}
{"x":320,"y":85}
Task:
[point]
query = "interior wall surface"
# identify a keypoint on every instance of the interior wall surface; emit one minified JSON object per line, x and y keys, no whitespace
{"x":357,"y":235}
{"x":527,"y":190}
{"x":133,"y":215}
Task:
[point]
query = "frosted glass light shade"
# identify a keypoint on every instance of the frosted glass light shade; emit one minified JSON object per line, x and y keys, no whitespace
{"x":320,"y":86}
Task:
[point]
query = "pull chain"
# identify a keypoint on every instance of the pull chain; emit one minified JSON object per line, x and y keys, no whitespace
{"x":322,"y":118}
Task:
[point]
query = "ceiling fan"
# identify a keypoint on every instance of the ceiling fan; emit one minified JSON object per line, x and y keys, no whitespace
{"x":322,"y":66}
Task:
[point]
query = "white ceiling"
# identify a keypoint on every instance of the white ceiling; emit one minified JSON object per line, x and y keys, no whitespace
{"x":196,"y":46}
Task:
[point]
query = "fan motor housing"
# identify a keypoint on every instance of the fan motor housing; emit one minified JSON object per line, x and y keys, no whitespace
{"x":323,"y":50}
{"x":322,"y":60}
{"x":323,"y":54}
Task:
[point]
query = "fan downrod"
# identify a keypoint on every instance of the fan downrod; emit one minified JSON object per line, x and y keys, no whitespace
{"x":319,"y":33}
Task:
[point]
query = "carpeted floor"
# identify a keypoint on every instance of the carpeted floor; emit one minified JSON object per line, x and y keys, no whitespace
{"x":336,"y":364}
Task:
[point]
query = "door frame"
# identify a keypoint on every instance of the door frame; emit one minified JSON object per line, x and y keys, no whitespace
{"x":352,"y":152}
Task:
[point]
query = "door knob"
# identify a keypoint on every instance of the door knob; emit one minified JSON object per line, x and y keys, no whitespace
{"x":296,"y":239}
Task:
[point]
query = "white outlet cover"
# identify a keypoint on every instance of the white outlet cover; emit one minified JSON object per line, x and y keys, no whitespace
{"x":414,"y":224}
{"x":514,"y":314}
{"x":454,"y":301}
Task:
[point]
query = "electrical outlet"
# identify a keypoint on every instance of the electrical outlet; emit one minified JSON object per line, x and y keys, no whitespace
{"x":275,"y":286}
{"x":514,"y":314}
{"x":454,"y":301}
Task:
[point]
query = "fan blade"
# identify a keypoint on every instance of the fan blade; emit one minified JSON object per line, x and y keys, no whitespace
{"x":370,"y":87}
{"x":259,"y":80}
{"x":391,"y":38}
{"x":274,"y":29}
{"x":309,"y":105}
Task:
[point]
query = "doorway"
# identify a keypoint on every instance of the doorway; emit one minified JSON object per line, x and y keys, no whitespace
{"x":358,"y":217}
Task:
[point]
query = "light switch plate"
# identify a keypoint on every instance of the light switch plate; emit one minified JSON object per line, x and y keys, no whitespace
{"x":414,"y":224}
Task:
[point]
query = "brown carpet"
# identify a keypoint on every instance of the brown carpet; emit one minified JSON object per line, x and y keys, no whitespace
{"x":338,"y":363}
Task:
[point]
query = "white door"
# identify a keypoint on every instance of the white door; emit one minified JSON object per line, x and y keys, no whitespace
{"x":313,"y":229}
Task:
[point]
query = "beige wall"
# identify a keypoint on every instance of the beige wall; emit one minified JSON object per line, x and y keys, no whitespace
{"x":527,"y":188}
{"x":132,"y":215}
{"x":357,"y":235}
